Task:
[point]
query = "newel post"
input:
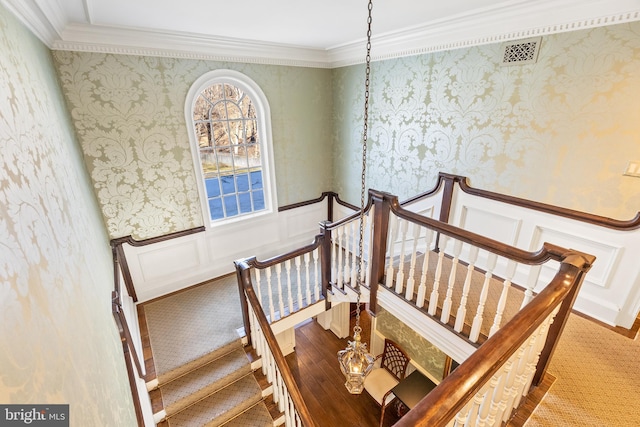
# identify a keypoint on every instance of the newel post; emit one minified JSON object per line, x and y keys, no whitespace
{"x":576,"y":265}
{"x":242,"y":274}
{"x":447,"y":200}
{"x":378,"y":246}
{"x":325,"y":262}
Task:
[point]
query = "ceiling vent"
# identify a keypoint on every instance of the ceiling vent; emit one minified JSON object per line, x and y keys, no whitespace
{"x":521,"y":52}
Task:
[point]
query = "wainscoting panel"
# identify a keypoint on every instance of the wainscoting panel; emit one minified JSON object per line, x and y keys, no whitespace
{"x":169,"y":266}
{"x":490,"y":224}
{"x":607,"y":256}
{"x":157,"y":263}
{"x":609,"y":292}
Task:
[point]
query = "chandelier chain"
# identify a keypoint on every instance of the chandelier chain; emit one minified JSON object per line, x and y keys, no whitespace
{"x":363,"y":176}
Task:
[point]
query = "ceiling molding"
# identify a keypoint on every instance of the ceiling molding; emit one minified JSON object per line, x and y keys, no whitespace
{"x":95,"y":38}
{"x":46,"y":24}
{"x":512,"y":21}
{"x":454,"y":35}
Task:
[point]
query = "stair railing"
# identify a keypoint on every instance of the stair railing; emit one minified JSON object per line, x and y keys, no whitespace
{"x":285,"y":390}
{"x":123,"y":305}
{"x":436,"y":266}
{"x":285,"y":283}
{"x":342,"y":248}
{"x":489,"y":385}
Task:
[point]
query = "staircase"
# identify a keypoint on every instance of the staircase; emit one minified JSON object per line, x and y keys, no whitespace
{"x":219,"y":389}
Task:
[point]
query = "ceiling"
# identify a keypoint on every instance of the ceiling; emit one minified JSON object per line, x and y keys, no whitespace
{"x":325,"y":33}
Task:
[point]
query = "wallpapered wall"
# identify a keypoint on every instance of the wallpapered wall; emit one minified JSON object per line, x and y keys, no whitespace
{"x":560,"y":131}
{"x":421,"y":351}
{"x":129,"y":116}
{"x":58,"y":340}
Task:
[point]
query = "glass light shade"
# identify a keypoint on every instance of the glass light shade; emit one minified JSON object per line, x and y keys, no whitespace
{"x":355,"y":363}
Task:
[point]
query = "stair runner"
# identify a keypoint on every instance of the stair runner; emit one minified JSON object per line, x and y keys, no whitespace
{"x":220,"y":391}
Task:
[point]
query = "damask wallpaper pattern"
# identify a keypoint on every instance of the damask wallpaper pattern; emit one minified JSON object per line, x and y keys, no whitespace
{"x":58,"y":340}
{"x":560,"y":131}
{"x":421,"y":351}
{"x":128,"y":113}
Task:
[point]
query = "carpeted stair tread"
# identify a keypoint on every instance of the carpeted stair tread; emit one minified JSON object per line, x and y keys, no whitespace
{"x":220,"y":407}
{"x":258,"y":416}
{"x":181,"y":370}
{"x":199,"y":383}
{"x":185,"y":328}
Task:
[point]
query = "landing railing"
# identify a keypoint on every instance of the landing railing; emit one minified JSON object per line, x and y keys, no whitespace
{"x":284,"y":284}
{"x":462,"y":279}
{"x":285,"y":391}
{"x":465,"y":282}
{"x":490,"y":384}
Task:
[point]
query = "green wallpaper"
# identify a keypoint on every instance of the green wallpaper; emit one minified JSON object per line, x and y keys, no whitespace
{"x":560,"y":131}
{"x":421,"y":351}
{"x":128,"y":112}
{"x":58,"y":340}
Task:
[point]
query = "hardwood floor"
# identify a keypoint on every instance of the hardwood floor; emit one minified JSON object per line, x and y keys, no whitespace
{"x":315,"y":367}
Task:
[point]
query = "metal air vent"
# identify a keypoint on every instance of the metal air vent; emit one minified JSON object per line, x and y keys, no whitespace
{"x":521,"y":52}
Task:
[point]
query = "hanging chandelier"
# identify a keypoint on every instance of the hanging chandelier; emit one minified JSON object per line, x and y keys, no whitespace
{"x":355,"y":361}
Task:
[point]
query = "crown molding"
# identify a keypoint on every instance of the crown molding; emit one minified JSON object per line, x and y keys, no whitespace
{"x":507,"y":21}
{"x":131,"y":41}
{"x":45,"y":22}
{"x":484,"y":28}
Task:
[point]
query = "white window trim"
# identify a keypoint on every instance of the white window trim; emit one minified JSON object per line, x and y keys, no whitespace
{"x":264,"y":127}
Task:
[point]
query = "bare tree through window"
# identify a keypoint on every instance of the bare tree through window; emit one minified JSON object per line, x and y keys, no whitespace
{"x":226,"y":128}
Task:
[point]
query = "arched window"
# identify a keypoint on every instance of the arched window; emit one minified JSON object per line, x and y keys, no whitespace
{"x":230,"y":136}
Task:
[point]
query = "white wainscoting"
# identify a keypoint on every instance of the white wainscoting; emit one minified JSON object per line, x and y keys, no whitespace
{"x":610,"y":292}
{"x":175,"y":264}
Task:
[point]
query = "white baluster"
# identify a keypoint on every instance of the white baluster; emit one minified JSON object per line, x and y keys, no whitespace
{"x":316,"y":274}
{"x":461,"y":315}
{"x":510,"y":386}
{"x":354,"y":252}
{"x":505,"y":397}
{"x":272,"y":314}
{"x":532,"y":281}
{"x":307,"y":277}
{"x":472,"y":418}
{"x":422,"y":289}
{"x":298,"y":262}
{"x":334,"y":262}
{"x":280,"y":300}
{"x":287,"y":266}
{"x":433,"y":299}
{"x":340,"y":272}
{"x":497,"y":320}
{"x":483,"y":411}
{"x":498,"y":406}
{"x":346,"y":252}
{"x":393,"y":230}
{"x":365,"y":257}
{"x":258,"y":285}
{"x":446,"y":306}
{"x":412,"y":268}
{"x":477,"y":320}
{"x":401,"y":263}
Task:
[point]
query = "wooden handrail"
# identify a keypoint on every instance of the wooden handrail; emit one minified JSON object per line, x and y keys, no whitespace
{"x":463,"y":182}
{"x":253,"y":262}
{"x":442,"y":404}
{"x":547,"y":252}
{"x":119,"y":257}
{"x":243,"y":269}
{"x":120,"y":265}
